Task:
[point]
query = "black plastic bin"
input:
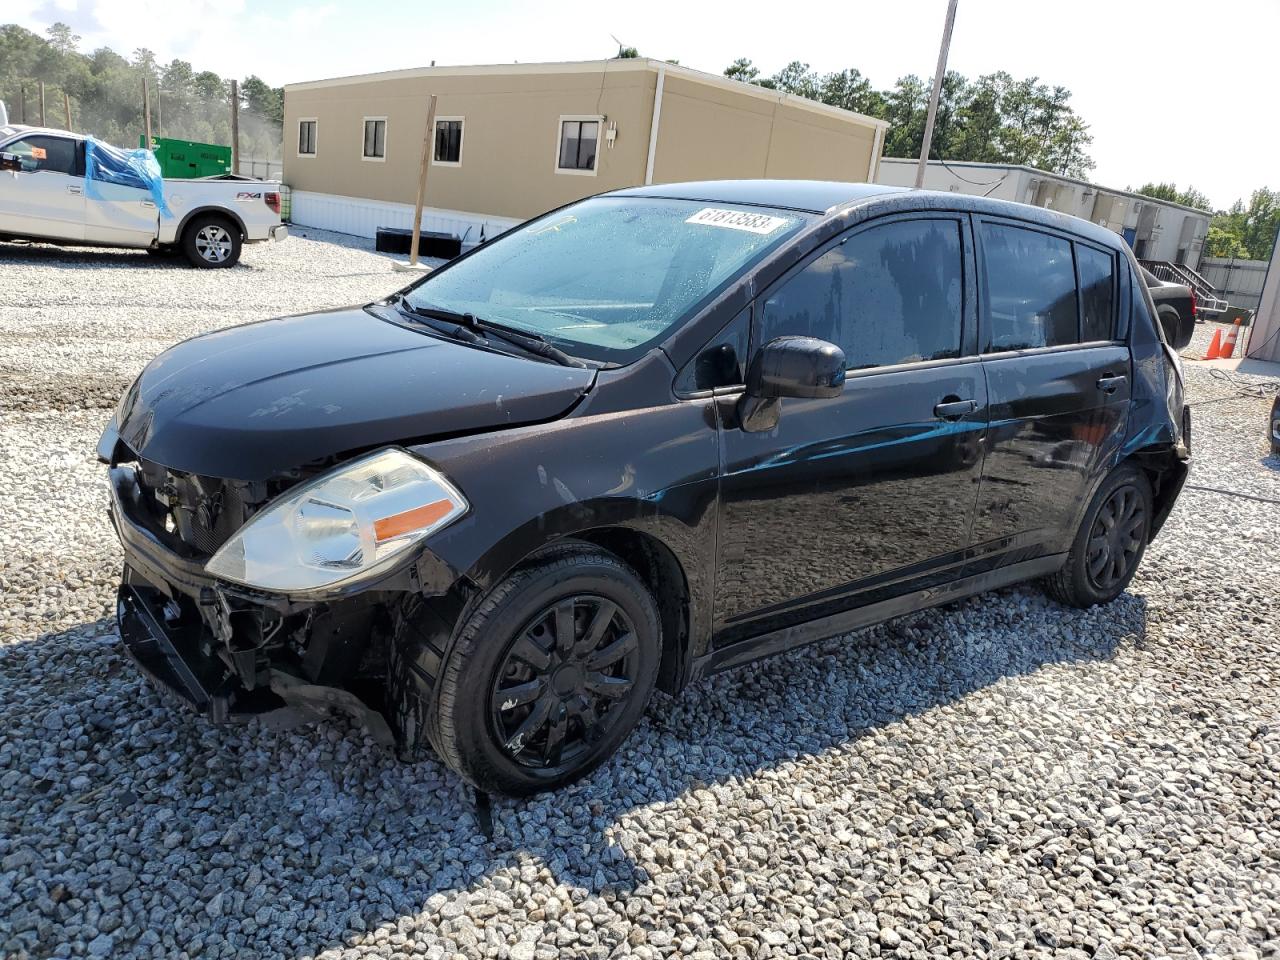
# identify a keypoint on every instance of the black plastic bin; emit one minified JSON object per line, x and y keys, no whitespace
{"x":430,"y":243}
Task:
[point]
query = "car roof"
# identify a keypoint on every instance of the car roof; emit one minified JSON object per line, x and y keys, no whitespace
{"x":808,"y":196}
{"x":14,"y":129}
{"x":831,"y":198}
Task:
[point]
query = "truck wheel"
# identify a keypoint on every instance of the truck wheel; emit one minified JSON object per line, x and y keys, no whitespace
{"x":211,"y":241}
{"x":1109,"y":544}
{"x":544,"y":679}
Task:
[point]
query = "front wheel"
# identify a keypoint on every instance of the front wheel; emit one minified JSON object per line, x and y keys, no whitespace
{"x":1109,"y":544}
{"x":548,"y":675}
{"x":211,"y":241}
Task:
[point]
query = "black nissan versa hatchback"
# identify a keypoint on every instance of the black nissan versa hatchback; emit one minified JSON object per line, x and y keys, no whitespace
{"x":643,"y":438}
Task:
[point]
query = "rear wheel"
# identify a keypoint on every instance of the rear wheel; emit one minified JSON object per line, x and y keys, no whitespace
{"x":1109,"y":544}
{"x":548,"y":675}
{"x":211,"y":241}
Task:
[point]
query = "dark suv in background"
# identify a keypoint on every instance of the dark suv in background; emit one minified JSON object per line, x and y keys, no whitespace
{"x":643,"y":438}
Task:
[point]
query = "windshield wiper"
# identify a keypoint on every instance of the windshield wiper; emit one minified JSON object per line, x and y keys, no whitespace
{"x":459,"y":330}
{"x":528,"y":341}
{"x":469,"y":323}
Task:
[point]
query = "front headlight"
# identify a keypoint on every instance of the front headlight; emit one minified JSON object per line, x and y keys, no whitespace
{"x":351,"y":523}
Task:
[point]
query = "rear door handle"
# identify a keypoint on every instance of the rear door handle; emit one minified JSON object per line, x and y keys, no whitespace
{"x":1111,"y":384}
{"x":76,"y":190}
{"x":954,"y":409}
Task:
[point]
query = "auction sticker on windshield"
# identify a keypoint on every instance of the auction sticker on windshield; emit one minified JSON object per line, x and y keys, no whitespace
{"x":738,"y":220}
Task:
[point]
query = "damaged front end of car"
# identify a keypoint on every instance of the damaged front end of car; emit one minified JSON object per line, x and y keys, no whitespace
{"x":276,"y":599}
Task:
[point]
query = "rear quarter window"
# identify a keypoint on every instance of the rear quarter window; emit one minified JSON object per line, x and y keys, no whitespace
{"x":1097,"y":293}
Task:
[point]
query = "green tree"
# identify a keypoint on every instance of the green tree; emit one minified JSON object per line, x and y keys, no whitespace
{"x":1190,"y":197}
{"x":626,"y":53}
{"x":62,"y":39}
{"x":267,"y":102}
{"x":742,"y":69}
{"x":994,"y":119}
{"x":796,"y":78}
{"x":1221,"y":242}
{"x":850,"y":90}
{"x":106,"y":92}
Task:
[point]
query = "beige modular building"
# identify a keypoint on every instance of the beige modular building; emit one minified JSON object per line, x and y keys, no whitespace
{"x":1155,"y":229}
{"x":512,"y":141}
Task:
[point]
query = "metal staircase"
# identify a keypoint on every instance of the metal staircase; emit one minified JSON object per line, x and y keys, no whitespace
{"x":1207,"y":299}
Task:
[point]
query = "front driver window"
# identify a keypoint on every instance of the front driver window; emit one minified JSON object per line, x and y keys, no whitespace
{"x":889,"y":294}
{"x":54,"y":154}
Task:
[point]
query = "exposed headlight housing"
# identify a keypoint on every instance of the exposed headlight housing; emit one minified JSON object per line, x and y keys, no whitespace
{"x":351,"y":523}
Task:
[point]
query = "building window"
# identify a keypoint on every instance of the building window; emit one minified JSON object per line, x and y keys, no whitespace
{"x":576,"y":151}
{"x":448,"y":150}
{"x":375,"y":138}
{"x":306,"y":138}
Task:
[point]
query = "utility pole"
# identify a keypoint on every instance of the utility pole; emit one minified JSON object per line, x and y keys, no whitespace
{"x":66,"y":105}
{"x":146,"y":112}
{"x":428,"y":138}
{"x":235,"y":127}
{"x":42,"y":103}
{"x":22,"y":101}
{"x":937,"y":92}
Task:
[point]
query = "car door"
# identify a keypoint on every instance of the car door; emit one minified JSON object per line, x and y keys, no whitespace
{"x":119,"y":215}
{"x":45,"y":198}
{"x":1058,"y":382}
{"x":870,"y":494}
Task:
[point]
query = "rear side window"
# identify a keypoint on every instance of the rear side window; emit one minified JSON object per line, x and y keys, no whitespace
{"x":889,"y":294}
{"x":1030,"y":289}
{"x":1097,"y":293}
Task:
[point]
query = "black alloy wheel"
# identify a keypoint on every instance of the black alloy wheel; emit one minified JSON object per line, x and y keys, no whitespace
{"x":1117,"y":538}
{"x":1109,"y":543}
{"x":558,"y":688}
{"x":543,"y":679}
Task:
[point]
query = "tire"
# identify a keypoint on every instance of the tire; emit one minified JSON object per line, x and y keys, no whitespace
{"x":520,"y":706}
{"x":211,"y":241}
{"x":1106,"y":552}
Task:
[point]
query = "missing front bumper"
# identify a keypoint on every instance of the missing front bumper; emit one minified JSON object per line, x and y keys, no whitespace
{"x":171,"y":649}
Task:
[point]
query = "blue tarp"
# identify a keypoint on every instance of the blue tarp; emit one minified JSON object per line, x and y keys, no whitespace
{"x":104,"y":163}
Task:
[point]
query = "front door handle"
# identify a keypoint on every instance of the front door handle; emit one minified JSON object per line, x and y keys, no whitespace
{"x":954,"y":409}
{"x":1110,"y":385}
{"x":76,"y":190}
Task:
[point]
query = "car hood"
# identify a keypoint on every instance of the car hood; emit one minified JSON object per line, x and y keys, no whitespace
{"x":255,"y":401}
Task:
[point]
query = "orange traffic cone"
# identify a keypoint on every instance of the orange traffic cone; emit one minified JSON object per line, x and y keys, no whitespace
{"x":1215,"y":346}
{"x":1229,"y":344}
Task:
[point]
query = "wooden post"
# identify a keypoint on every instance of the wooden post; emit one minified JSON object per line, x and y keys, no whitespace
{"x":235,"y":127}
{"x":937,"y":92}
{"x":42,"y":103}
{"x":66,"y":105}
{"x":146,"y":112}
{"x":428,"y":139}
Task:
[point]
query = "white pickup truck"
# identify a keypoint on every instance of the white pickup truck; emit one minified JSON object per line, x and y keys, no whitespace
{"x":43,"y":196}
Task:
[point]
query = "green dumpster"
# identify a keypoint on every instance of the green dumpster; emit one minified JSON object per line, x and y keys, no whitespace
{"x":184,"y":159}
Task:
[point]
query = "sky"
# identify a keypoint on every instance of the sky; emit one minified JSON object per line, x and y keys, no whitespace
{"x":1172,"y":90}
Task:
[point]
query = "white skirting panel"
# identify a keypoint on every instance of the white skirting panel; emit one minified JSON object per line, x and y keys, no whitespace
{"x":361,"y":218}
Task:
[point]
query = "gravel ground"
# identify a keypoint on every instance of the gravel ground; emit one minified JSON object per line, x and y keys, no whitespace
{"x":1002,"y":777}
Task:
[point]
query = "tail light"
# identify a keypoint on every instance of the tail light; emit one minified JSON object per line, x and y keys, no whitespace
{"x":1194,"y":308}
{"x":273,"y":201}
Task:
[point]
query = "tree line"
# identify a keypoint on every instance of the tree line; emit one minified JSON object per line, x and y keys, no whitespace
{"x":106,"y":93}
{"x":1245,"y":231}
{"x":993,"y":119}
{"x":1000,"y":119}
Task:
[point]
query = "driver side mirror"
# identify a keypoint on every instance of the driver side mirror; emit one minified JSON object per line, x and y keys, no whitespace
{"x":803,"y":367}
{"x":10,"y":161}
